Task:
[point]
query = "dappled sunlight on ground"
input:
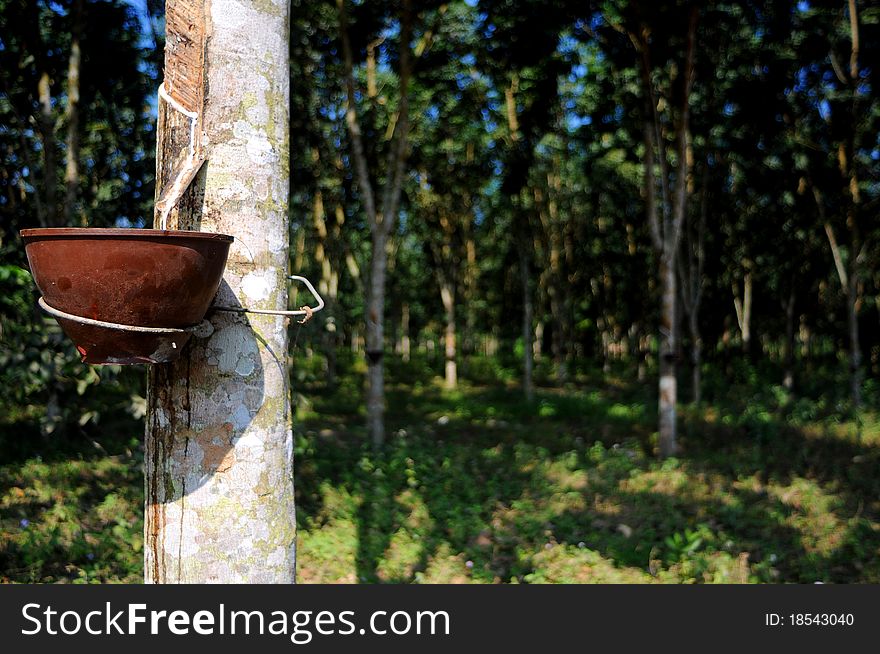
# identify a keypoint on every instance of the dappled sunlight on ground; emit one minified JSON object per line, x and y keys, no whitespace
{"x":480,"y":486}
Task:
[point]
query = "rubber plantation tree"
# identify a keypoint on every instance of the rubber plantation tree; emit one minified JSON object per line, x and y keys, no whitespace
{"x":72,"y":156}
{"x":364,"y":34}
{"x":219,"y":445}
{"x":755,"y":180}
{"x":452,"y":164}
{"x":320,"y":185}
{"x":557,"y":209}
{"x":714,"y":137}
{"x":75,"y":149}
{"x":663,"y":37}
{"x":601,"y":181}
{"x":527,"y":81}
{"x":836,"y":85}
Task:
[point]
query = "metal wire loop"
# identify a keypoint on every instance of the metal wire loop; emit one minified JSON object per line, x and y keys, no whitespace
{"x":58,"y":313}
{"x":305,"y":311}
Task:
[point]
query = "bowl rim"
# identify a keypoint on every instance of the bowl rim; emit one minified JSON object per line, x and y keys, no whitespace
{"x":116,"y":232}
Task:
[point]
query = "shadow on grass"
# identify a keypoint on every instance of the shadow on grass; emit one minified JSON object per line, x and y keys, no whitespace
{"x":504,"y":482}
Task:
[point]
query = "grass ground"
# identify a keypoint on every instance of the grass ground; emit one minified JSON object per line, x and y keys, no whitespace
{"x":478,"y":486}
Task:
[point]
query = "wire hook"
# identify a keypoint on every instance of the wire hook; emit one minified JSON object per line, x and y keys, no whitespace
{"x":306,"y":311}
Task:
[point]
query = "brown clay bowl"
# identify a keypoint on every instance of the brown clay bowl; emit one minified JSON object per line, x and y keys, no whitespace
{"x":139,"y":277}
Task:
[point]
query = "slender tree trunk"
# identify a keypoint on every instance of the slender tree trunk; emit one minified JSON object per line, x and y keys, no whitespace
{"x":375,"y":341}
{"x":528,"y":311}
{"x":381,"y":219}
{"x":668,"y":384}
{"x":71,"y":173}
{"x":642,"y":351}
{"x":405,"y":345}
{"x":538,"y":340}
{"x":219,"y":447}
{"x":696,"y":359}
{"x":447,"y":295}
{"x":855,"y":349}
{"x":848,"y":165}
{"x":524,"y":246}
{"x":471,"y":272}
{"x":666,"y":231}
{"x":556,"y":287}
{"x":328,"y":282}
{"x":849,"y":282}
{"x":690,"y":272}
{"x":788,"y":357}
{"x":46,"y":124}
{"x":743,"y":308}
{"x":49,"y":217}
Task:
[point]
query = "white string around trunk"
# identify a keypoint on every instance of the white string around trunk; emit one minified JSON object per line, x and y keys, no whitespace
{"x":174,"y":191}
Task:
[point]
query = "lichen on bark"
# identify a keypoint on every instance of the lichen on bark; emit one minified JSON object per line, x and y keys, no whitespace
{"x":218,"y":468}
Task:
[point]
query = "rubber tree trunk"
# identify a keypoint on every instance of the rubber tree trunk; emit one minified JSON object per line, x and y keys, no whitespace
{"x":743,"y":308}
{"x":668,"y":384}
{"x":329,"y":282}
{"x":71,"y":171}
{"x":855,"y":350}
{"x":405,"y":345}
{"x":219,"y":456}
{"x":381,"y":218}
{"x":788,"y":376}
{"x":46,"y":125}
{"x":447,"y":296}
{"x":666,"y":229}
{"x":375,"y":340}
{"x":849,"y":282}
{"x":696,"y":358}
{"x":528,"y":311}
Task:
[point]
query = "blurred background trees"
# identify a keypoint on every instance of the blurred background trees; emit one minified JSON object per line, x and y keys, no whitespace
{"x":77,"y":141}
{"x":490,"y":146}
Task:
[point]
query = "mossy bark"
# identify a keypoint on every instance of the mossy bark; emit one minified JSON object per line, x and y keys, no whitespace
{"x":219,"y":450}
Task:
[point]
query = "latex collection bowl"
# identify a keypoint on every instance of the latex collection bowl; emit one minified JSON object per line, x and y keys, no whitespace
{"x":144,"y":278}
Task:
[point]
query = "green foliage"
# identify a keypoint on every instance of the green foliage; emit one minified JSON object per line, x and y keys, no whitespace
{"x":116,"y":132}
{"x":476,"y":486}
{"x":73,"y":514}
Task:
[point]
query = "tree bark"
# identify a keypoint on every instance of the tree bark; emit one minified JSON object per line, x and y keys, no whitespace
{"x":743,"y":308}
{"x":665,"y":222}
{"x":696,"y":360}
{"x":848,"y":169}
{"x":788,"y":355}
{"x":855,"y":349}
{"x":668,"y":394}
{"x":850,"y":275}
{"x":524,"y":246}
{"x":381,"y":219}
{"x":849,"y":282}
{"x":471,"y":273}
{"x":375,"y":339}
{"x":405,"y":345}
{"x":528,"y":383}
{"x":46,"y":125}
{"x":447,"y":295}
{"x":71,"y":173}
{"x":691,"y":264}
{"x":557,"y":287}
{"x":219,"y":446}
{"x":328,"y":282}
